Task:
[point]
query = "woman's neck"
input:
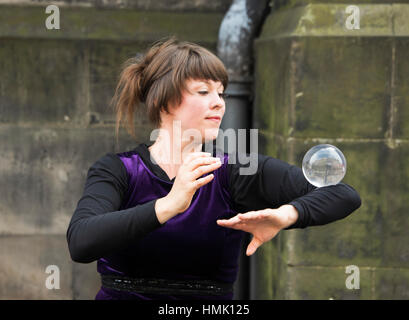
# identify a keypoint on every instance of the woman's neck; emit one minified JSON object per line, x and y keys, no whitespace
{"x":170,"y":149}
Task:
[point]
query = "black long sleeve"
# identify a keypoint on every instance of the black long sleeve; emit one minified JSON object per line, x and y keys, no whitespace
{"x":97,"y":227}
{"x":277,"y":183}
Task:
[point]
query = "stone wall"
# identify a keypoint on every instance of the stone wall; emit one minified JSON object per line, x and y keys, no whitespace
{"x":315,"y":82}
{"x":55,"y":121}
{"x":318,"y":82}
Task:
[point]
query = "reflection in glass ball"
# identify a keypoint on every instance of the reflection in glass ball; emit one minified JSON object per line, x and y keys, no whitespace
{"x":324,"y":165}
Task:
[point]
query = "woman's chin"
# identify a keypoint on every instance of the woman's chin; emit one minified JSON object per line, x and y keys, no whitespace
{"x":210,"y":136}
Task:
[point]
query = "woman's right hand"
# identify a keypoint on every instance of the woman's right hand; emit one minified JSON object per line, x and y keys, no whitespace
{"x":186,"y":183}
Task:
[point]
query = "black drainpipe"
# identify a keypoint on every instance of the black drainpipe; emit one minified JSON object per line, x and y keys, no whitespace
{"x":240,"y":25}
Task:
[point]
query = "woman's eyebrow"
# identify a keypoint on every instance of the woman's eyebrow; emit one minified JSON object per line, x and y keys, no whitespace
{"x":199,"y":83}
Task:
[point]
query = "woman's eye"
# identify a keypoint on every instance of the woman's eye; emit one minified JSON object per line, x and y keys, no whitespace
{"x":222,"y":95}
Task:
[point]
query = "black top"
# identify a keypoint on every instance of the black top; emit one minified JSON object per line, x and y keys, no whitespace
{"x":97,"y":227}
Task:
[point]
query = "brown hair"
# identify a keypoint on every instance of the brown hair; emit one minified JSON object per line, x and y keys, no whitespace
{"x":158,"y":78}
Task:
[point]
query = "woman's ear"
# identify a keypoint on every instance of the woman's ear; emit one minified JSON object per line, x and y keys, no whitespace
{"x":165,"y":113}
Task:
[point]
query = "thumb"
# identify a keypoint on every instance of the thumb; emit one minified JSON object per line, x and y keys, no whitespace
{"x":252,"y":247}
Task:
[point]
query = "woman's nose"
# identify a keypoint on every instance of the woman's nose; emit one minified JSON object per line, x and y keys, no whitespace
{"x":218,"y":101}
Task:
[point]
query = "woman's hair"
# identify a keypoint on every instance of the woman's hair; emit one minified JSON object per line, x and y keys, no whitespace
{"x":158,"y":78}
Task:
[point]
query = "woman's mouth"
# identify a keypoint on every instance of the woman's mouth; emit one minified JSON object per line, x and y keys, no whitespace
{"x":215,"y":119}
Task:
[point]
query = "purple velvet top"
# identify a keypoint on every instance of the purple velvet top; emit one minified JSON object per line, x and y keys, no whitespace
{"x":188,"y":246}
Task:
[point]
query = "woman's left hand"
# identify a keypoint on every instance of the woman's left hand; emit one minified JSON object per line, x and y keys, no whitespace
{"x":263,"y":224}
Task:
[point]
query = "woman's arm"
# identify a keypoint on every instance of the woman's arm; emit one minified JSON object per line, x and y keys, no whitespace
{"x":278,"y":183}
{"x":97,"y":227}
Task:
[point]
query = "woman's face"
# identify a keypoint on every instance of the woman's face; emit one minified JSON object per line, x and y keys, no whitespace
{"x":202,"y":108}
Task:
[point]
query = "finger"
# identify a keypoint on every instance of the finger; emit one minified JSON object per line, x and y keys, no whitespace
{"x":237,"y":218}
{"x":205,"y":169}
{"x":230,"y":221}
{"x":199,"y":161}
{"x":238,"y":226}
{"x":251,"y":216}
{"x":252,"y":247}
{"x":202,"y":181}
{"x":234,"y":224}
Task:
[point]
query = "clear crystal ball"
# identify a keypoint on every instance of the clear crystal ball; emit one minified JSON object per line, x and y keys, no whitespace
{"x":324,"y":165}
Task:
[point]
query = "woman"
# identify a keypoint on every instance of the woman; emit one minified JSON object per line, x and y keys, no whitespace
{"x":166,"y":220}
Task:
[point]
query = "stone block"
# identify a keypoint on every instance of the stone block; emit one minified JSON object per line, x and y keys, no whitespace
{"x":264,"y":265}
{"x":393,"y":176}
{"x":326,"y":81}
{"x":400,"y":102}
{"x":293,"y":3}
{"x":23,"y":269}
{"x":330,"y":19}
{"x":86,"y":281}
{"x":273,"y":94}
{"x":391,"y":284}
{"x":335,"y":84}
{"x":81,"y":23}
{"x":44,"y":170}
{"x":317,"y":283}
{"x":43,"y":80}
{"x":105,"y":60}
{"x":400,"y":14}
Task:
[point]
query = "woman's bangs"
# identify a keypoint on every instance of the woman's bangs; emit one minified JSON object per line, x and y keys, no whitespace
{"x":206,"y":67}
